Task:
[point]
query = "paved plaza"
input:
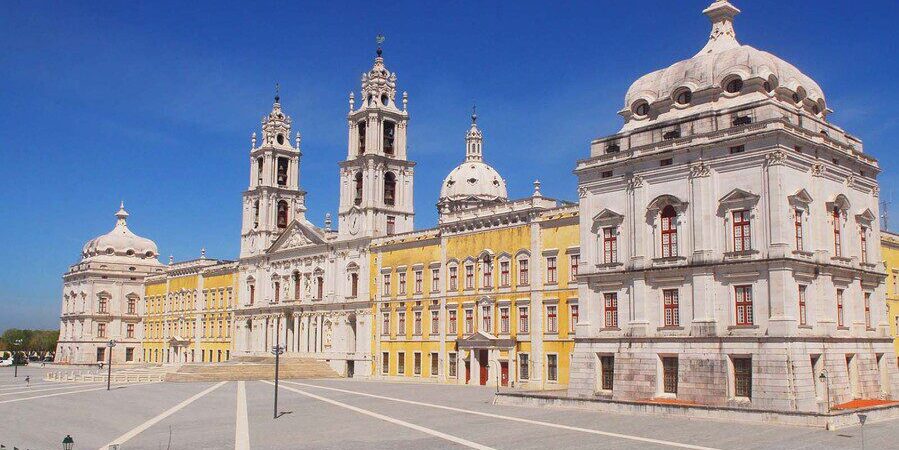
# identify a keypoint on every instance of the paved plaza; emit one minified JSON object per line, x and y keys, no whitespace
{"x":345,"y":414}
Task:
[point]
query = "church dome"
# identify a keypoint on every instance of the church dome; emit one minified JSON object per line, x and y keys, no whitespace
{"x":473,"y":183}
{"x":723,"y":65}
{"x":120,"y":242}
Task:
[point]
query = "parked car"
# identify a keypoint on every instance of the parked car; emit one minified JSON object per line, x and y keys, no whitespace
{"x":6,"y":362}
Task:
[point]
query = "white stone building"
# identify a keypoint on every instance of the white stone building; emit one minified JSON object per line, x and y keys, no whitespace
{"x":730,"y":242}
{"x":102,"y":297}
{"x":303,"y":286}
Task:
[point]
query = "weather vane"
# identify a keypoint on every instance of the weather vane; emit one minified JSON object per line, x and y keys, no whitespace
{"x":277,"y":92}
{"x":380,"y":40}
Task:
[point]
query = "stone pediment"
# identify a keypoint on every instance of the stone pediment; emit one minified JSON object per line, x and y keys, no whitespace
{"x":738,"y":196}
{"x":607,"y":216}
{"x":297,"y":235}
{"x":483,"y":340}
{"x":865,"y":216}
{"x":801,"y":197}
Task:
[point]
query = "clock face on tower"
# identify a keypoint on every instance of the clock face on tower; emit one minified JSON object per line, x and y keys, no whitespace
{"x":353,"y":222}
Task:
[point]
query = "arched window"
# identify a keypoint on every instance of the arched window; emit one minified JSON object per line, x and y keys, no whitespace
{"x":389,"y":188}
{"x":837,"y":241}
{"x":358,"y":199}
{"x":256,"y":214}
{"x":296,"y":286}
{"x":361,"y":128}
{"x":282,"y":214}
{"x":669,"y":232}
{"x":320,"y":286}
{"x":389,"y":135}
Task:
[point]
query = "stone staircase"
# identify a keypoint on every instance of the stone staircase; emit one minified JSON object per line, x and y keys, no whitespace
{"x":249,"y":368}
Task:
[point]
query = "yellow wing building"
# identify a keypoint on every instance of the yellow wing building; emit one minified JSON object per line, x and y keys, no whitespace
{"x":889,"y":243}
{"x":189,"y":312}
{"x":487,"y":297}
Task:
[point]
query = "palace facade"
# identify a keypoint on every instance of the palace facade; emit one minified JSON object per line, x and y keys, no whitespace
{"x":729,"y":237}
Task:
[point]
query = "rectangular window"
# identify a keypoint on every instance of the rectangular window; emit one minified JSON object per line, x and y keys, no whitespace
{"x":669,"y":375}
{"x":797,"y":224}
{"x":418,"y":281}
{"x":610,"y":245}
{"x":743,"y":303}
{"x":868,"y":310}
{"x":252,"y":294}
{"x":277,"y":292}
{"x":129,"y":331}
{"x":320,"y":287}
{"x":451,"y":328}
{"x":743,"y":377}
{"x":837,"y":244}
{"x":737,"y":149}
{"x":552,"y":367}
{"x":575,"y":261}
{"x":435,"y":364}
{"x":486,"y":319}
{"x":416,"y":363}
{"x":524,"y":366}
{"x":132,"y":306}
{"x":504,"y":278}
{"x":742,"y":241}
{"x":387,"y":285}
{"x":385,"y":363}
{"x":802,"y":306}
{"x":552,"y":320}
{"x":402,"y":283}
{"x":385,"y":323}
{"x":354,"y":284}
{"x":391,"y":225}
{"x":469,"y":321}
{"x":129,"y":354}
{"x":101,"y":306}
{"x":401,"y":363}
{"x":669,"y":232}
{"x":504,"y":320}
{"x":671,"y":307}
{"x":574,"y":314}
{"x":452,"y":364}
{"x":101,"y":354}
{"x":611,"y":309}
{"x":608,"y":372}
{"x":101,"y":330}
{"x":454,"y":278}
{"x":523,"y":277}
{"x":435,"y":280}
{"x":487,"y":270}
{"x":401,"y":323}
{"x":840,"y":323}
{"x":523,"y":320}
{"x":469,"y":277}
{"x":435,"y":322}
{"x":551,"y":269}
{"x":864,"y":244}
{"x":416,"y":324}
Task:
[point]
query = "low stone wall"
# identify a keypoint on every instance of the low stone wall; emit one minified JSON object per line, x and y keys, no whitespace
{"x":831,"y":421}
{"x":80,"y":377}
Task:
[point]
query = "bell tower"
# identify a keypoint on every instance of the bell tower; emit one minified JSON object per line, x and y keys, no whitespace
{"x":376,"y":179}
{"x":274,"y":198}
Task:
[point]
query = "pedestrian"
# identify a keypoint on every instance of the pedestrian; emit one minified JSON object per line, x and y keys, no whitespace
{"x":27,"y":381}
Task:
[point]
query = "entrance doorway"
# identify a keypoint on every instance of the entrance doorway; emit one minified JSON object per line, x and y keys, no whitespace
{"x":482,"y":361}
{"x":467,"y":372}
{"x":504,"y":372}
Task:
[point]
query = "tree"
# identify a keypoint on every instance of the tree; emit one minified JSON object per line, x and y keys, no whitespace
{"x":12,"y":335}
{"x":43,"y":341}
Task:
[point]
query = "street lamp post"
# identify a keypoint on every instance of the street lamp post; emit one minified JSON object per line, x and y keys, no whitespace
{"x":823,"y":378}
{"x":68,"y":443}
{"x":277,"y":350}
{"x":109,"y":344}
{"x":17,"y":344}
{"x":862,"y":418}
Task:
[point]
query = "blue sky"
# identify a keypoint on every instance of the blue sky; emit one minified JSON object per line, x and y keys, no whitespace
{"x":153,"y":103}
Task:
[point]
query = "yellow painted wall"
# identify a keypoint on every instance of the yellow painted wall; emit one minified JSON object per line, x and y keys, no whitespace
{"x":890,"y":249}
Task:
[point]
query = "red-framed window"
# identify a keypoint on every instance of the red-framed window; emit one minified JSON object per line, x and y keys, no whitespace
{"x":416,"y":324}
{"x":574,"y":313}
{"x":454,"y":278}
{"x":487,"y":272}
{"x":469,"y":321}
{"x":523,"y":275}
{"x":391,"y":225}
{"x":435,"y":280}
{"x":797,"y":224}
{"x":486,"y":319}
{"x":669,"y":232}
{"x":387,"y":285}
{"x":385,"y":323}
{"x":551,"y":269}
{"x":803,"y":309}
{"x":867,"y":310}
{"x":101,"y":329}
{"x":504,"y":320}
{"x":552,"y":319}
{"x":864,"y":242}
{"x":418,"y":281}
{"x":609,"y":245}
{"x":402,"y":283}
{"x":523,"y":320}
{"x":611,"y":309}
{"x":575,"y":261}
{"x":742,"y":230}
{"x":451,"y":316}
{"x":743,"y":304}
{"x":469,"y":277}
{"x":129,"y":330}
{"x":837,"y":244}
{"x":671,"y":307}
{"x":840,"y":322}
{"x":101,"y":305}
{"x":401,"y":323}
{"x":504,"y":279}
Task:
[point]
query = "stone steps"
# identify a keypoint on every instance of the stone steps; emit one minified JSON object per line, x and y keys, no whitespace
{"x":253,"y":368}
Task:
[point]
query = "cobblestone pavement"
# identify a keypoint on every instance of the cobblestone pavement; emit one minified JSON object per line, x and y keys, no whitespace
{"x":344,"y":414}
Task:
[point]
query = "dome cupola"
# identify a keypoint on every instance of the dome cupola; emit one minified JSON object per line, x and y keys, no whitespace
{"x":120,"y":243}
{"x":723,"y":74}
{"x":473,"y":183}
